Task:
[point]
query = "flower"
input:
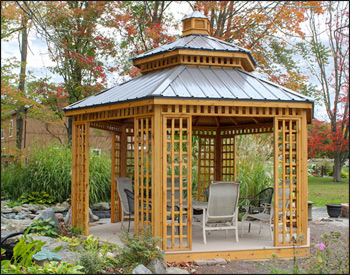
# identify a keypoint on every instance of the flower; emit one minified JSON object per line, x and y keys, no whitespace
{"x":320,"y":245}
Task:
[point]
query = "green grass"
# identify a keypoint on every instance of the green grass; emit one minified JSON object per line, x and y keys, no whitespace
{"x":323,"y":191}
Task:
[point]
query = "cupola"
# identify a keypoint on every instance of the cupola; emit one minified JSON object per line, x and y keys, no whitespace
{"x":195,"y":48}
{"x":195,"y":23}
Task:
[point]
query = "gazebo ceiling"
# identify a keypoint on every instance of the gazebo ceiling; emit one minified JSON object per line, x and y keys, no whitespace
{"x":188,"y":82}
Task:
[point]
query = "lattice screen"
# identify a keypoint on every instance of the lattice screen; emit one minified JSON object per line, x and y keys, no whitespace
{"x":228,"y":148}
{"x":130,"y":153}
{"x":143,"y":172}
{"x":287,"y":174}
{"x":80,"y":177}
{"x":177,"y":228}
{"x":206,"y":160}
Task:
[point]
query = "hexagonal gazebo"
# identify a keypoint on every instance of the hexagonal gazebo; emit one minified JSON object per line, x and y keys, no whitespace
{"x":195,"y":86}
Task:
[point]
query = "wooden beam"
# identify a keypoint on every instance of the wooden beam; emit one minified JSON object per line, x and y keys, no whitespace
{"x":256,"y":120}
{"x":233,"y":120}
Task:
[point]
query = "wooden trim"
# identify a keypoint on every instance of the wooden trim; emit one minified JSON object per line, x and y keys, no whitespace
{"x":263,"y":254}
{"x":113,"y":184}
{"x":303,"y":198}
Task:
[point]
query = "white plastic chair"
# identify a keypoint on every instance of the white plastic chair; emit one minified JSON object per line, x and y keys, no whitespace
{"x":222,"y":210}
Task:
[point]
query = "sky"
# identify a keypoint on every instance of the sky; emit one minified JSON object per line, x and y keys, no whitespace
{"x":39,"y":60}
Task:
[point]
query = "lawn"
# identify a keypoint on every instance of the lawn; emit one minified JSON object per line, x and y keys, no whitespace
{"x":324,"y":190}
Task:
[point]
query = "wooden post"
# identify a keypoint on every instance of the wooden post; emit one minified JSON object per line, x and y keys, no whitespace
{"x":218,"y":156}
{"x":303,"y":177}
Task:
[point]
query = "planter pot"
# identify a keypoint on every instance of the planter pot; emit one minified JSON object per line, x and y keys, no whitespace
{"x":334,"y":210}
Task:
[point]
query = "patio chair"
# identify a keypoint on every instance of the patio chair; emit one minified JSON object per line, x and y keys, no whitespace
{"x":124,"y":183}
{"x":266,"y":216}
{"x":131,"y":204}
{"x":222,"y":210}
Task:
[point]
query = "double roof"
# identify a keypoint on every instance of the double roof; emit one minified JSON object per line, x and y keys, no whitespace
{"x":189,"y":82}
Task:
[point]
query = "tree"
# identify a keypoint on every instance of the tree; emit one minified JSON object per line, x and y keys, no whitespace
{"x":141,"y":26}
{"x":78,"y":45}
{"x":327,"y":59}
{"x":265,"y":28}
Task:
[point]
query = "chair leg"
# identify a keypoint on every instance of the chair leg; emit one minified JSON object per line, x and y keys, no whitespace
{"x":129,"y":222}
{"x":203,"y":225}
{"x":236,"y":221}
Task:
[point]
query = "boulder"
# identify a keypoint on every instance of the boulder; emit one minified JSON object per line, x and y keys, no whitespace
{"x":156,"y":266}
{"x":34,"y":208}
{"x":6,"y":210}
{"x":100,"y":206}
{"x":17,"y":209}
{"x":13,"y":225}
{"x":59,"y":209}
{"x":141,"y":269}
{"x":59,"y":217}
{"x":47,"y":213}
{"x":51,"y":243}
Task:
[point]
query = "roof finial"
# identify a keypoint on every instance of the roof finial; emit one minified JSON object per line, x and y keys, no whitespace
{"x":195,"y":23}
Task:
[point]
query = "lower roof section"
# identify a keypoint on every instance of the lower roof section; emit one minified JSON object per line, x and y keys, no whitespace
{"x":193,"y":82}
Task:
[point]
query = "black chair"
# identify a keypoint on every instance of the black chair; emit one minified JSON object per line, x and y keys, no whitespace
{"x":257,"y":203}
{"x":131,"y":204}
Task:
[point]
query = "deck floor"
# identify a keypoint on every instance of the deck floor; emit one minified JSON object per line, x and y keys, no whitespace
{"x":216,"y":240}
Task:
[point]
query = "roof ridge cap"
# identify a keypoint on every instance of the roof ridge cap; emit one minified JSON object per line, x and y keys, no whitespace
{"x":169,"y":79}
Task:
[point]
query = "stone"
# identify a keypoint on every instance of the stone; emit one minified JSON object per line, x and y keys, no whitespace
{"x":156,"y":266}
{"x":92,"y":217}
{"x":4,"y":202}
{"x":33,"y":208}
{"x":220,"y":261}
{"x":59,"y":209}
{"x":51,"y":243}
{"x":69,"y":256}
{"x":17,"y":209}
{"x":31,"y":216}
{"x":48,"y":213}
{"x":100,"y":206}
{"x":344,"y":210}
{"x":176,"y":270}
{"x":141,"y":269}
{"x":65,"y":204}
{"x":13,"y":225}
{"x":68,"y":218}
{"x":59,"y":217}
{"x":6,"y":210}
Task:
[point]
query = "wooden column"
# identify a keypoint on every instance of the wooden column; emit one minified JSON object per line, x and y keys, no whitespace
{"x":80,"y":177}
{"x":218,"y":156}
{"x":157,"y":183}
{"x":115,"y":172}
{"x":303,"y":198}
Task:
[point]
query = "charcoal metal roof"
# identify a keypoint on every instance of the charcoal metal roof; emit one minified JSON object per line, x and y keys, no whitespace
{"x":197,"y":42}
{"x":188,"y":82}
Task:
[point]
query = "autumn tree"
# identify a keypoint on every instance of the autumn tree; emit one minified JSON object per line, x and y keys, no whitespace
{"x":140,"y":26}
{"x":78,"y":45}
{"x":265,"y":28}
{"x":326,"y":54}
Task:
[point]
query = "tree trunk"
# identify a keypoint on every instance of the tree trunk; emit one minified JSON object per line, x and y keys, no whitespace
{"x":337,"y":167}
{"x":21,"y":86}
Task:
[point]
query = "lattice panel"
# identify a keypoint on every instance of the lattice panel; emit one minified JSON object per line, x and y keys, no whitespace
{"x":206,"y":161}
{"x":287,"y":175}
{"x":228,"y":155}
{"x":116,"y":172}
{"x":130,"y":153}
{"x":80,"y":177}
{"x":143,"y":172}
{"x":177,"y":140}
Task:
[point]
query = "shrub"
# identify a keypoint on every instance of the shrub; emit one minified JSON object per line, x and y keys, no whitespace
{"x":36,"y":198}
{"x":139,"y":248}
{"x":48,"y":168}
{"x":91,"y":262}
{"x":44,"y":227}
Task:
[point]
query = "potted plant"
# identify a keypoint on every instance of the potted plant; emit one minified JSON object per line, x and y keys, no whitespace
{"x":334,"y":210}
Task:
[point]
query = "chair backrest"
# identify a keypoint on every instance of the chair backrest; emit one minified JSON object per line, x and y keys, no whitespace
{"x":130,"y":198}
{"x":263,"y":197}
{"x":223,"y":201}
{"x":124,"y":183}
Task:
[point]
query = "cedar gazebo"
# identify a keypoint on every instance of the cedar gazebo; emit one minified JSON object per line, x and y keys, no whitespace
{"x":195,"y":86}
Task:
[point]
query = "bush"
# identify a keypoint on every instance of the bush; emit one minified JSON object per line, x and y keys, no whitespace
{"x":44,"y":227}
{"x":139,"y":248}
{"x":36,"y":198}
{"x":48,"y":168}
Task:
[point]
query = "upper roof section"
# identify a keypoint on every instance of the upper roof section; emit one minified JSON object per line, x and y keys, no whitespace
{"x":188,"y":82}
{"x":196,"y":48}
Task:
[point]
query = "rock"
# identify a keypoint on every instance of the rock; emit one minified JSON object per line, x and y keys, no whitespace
{"x":141,"y":269}
{"x":156,"y":266}
{"x":4,"y":202}
{"x":13,"y":225}
{"x":92,"y":217}
{"x":17,"y":209}
{"x":68,"y":218}
{"x":344,"y":210}
{"x":100,"y":206}
{"x":59,"y":209}
{"x":48,"y":213}
{"x":31,"y":216}
{"x":59,"y":217}
{"x":51,"y":243}
{"x":176,"y":270}
{"x":6,"y":210}
{"x":69,"y":256}
{"x":65,"y":204}
{"x":34,"y":208}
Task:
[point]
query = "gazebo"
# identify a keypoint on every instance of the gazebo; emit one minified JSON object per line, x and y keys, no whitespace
{"x":195,"y":86}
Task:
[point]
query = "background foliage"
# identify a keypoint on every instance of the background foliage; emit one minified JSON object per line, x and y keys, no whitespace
{"x":48,"y":168}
